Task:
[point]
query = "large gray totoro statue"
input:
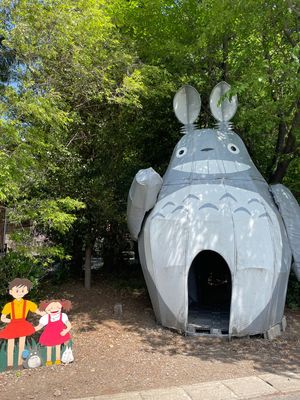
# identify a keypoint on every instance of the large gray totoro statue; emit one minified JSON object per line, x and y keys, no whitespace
{"x":216,"y":242}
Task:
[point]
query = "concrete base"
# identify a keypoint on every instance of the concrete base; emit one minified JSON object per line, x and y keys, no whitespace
{"x":283,"y":324}
{"x":276,"y":330}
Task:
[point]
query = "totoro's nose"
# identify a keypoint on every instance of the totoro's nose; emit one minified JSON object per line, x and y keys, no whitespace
{"x":207,"y":149}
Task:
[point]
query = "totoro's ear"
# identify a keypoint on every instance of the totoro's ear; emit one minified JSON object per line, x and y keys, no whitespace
{"x":222,"y":108}
{"x":187,"y":105}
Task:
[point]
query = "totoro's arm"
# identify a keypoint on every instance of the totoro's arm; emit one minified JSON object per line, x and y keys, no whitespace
{"x":141,"y":198}
{"x":290,"y":212}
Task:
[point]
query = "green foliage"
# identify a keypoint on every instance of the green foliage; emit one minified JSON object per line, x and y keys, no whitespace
{"x":93,"y":103}
{"x":15,"y":264}
{"x":46,"y":214}
{"x":31,"y":126}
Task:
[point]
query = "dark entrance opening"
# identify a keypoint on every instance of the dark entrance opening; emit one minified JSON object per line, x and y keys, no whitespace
{"x":209,"y":290}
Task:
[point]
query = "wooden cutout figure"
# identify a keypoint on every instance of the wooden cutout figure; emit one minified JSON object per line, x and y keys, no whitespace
{"x":17,"y":326}
{"x":57,"y":327}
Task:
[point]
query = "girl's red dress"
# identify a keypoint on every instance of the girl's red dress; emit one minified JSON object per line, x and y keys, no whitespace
{"x":17,"y":327}
{"x":51,"y":335}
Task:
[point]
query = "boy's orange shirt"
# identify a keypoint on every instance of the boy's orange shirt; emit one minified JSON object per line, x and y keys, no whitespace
{"x":18,"y":306}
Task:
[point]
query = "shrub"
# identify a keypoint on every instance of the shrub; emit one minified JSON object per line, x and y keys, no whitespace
{"x":293,"y":293}
{"x":14,"y":265}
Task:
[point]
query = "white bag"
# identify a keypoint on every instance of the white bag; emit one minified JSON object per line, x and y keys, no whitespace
{"x":67,"y":356}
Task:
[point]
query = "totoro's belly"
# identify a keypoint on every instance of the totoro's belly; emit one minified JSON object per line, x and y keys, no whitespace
{"x":235,"y":222}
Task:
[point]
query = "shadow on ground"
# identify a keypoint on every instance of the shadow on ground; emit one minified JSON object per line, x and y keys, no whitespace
{"x":94,"y":308}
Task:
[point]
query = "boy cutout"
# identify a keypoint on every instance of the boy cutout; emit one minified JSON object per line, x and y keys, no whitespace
{"x":17,"y":326}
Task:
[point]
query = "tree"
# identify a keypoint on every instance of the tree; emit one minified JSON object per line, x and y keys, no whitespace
{"x":32,"y":135}
{"x":72,"y":54}
{"x":204,"y":42}
{"x":94,"y":97}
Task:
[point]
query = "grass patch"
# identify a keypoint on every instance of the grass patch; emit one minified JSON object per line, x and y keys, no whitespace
{"x":30,"y":344}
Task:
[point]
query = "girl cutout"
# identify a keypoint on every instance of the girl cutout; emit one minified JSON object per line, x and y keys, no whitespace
{"x":57,"y":327}
{"x":17,"y":326}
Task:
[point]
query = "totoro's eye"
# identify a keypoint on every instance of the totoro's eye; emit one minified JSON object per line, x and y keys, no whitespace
{"x":181,"y":152}
{"x":233,"y":148}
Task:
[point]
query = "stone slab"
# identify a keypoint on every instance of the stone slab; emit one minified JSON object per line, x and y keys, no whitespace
{"x":283,"y":323}
{"x":246,"y":388}
{"x":84,"y":398}
{"x":294,"y":396}
{"x":118,"y":396}
{"x":165,"y":394}
{"x":209,"y":391}
{"x":273,"y":332}
{"x":283,"y":383}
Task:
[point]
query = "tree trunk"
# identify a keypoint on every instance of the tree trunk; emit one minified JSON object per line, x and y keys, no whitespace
{"x":280,"y":171}
{"x":87,"y":266}
{"x":290,"y":148}
{"x":282,"y":132}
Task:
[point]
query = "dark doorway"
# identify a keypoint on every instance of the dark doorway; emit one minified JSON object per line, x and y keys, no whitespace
{"x":209,"y":289}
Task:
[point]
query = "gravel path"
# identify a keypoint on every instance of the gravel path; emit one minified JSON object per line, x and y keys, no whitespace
{"x":132,"y":353}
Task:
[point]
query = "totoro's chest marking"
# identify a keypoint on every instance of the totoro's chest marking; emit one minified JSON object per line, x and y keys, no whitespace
{"x":194,"y":201}
{"x":233,"y":221}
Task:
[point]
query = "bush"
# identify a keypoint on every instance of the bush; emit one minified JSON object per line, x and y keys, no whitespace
{"x":293,"y":293}
{"x":15,"y":265}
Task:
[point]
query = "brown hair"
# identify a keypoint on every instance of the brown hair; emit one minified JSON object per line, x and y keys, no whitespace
{"x":20,"y":282}
{"x":66,"y":304}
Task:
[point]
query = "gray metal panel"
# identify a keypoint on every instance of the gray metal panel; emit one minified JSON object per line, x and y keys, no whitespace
{"x":214,"y":198}
{"x":290,"y":212}
{"x":141,"y":198}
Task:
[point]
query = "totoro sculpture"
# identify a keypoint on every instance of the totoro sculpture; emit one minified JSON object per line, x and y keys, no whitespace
{"x":32,"y":358}
{"x":216,"y":242}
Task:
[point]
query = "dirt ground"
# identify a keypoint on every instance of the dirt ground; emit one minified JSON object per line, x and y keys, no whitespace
{"x":133,"y":353}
